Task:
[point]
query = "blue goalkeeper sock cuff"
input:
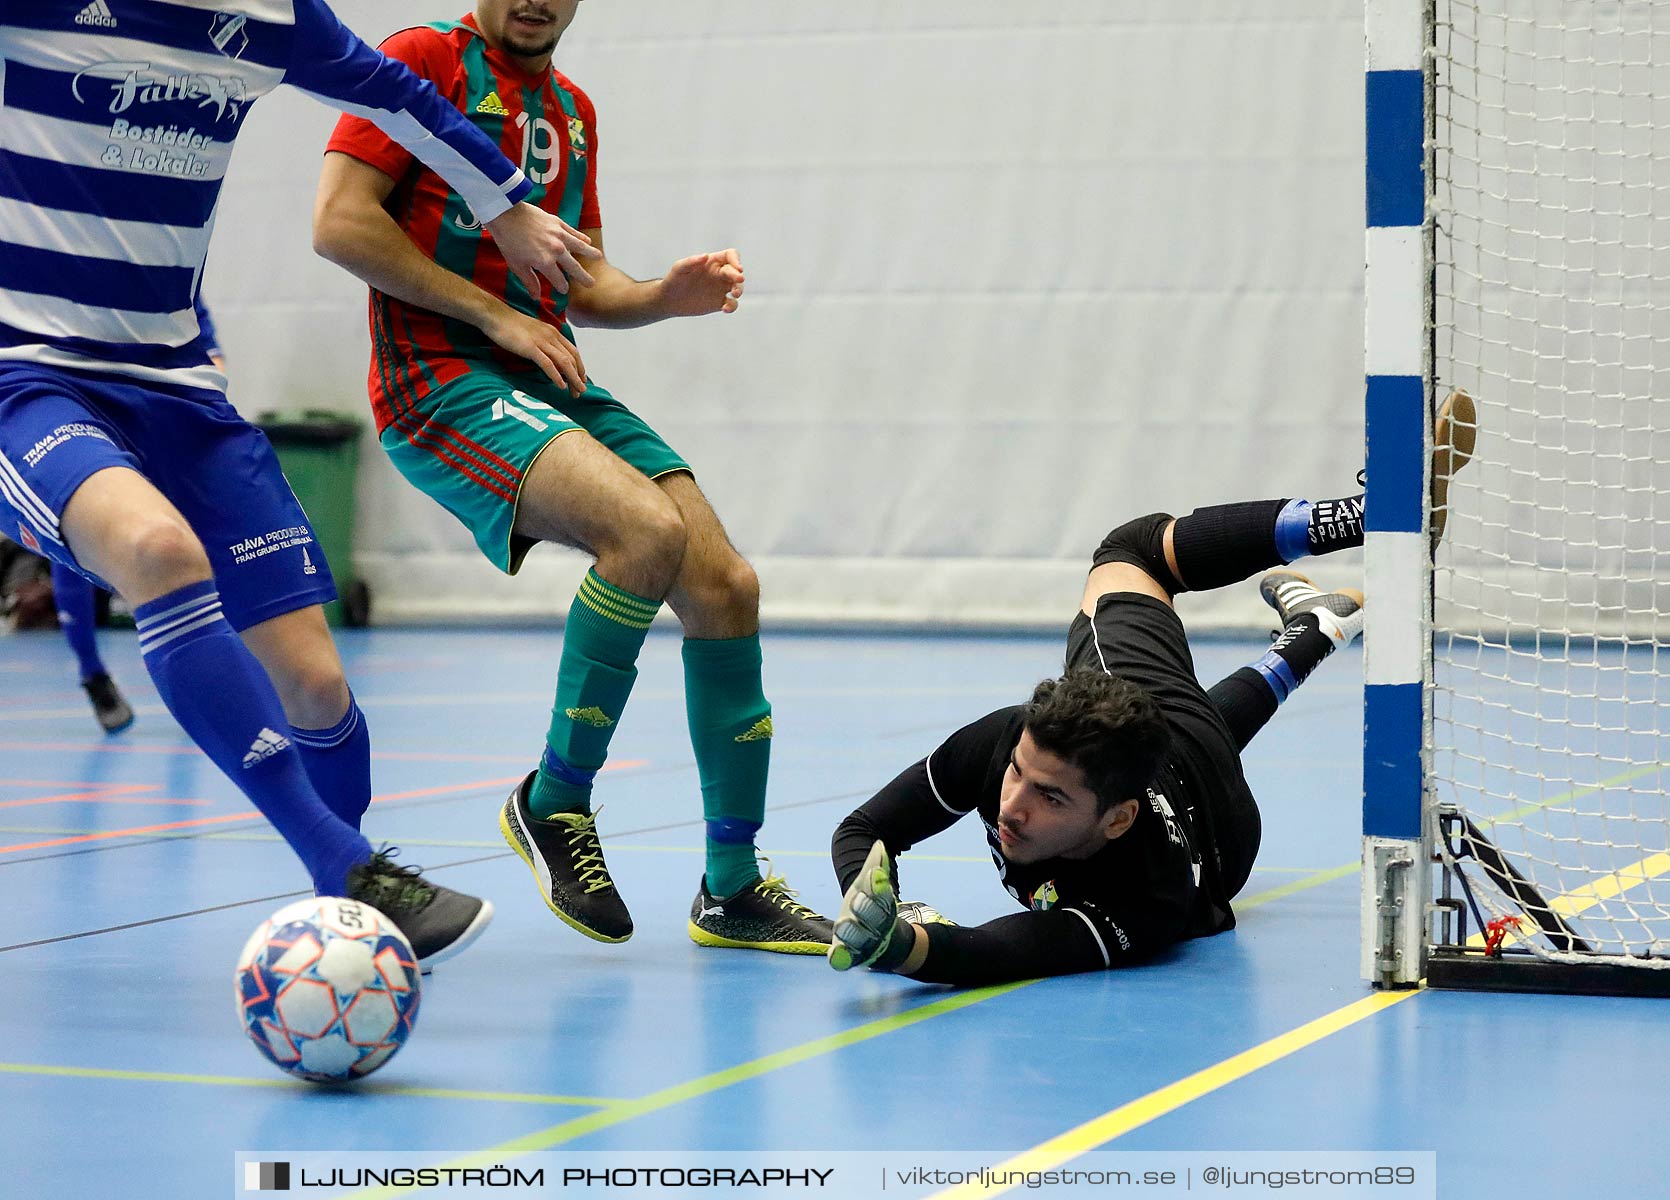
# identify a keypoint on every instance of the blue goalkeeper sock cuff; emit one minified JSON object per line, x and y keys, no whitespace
{"x":1293,"y":530}
{"x":1276,"y":672}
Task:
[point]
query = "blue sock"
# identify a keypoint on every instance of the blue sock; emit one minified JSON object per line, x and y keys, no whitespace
{"x":73,"y":594}
{"x":1293,"y":530}
{"x":223,"y":699}
{"x":338,"y":762}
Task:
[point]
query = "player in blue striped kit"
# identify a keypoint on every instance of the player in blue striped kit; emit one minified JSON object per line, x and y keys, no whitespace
{"x":119,"y":453}
{"x":75,"y":598}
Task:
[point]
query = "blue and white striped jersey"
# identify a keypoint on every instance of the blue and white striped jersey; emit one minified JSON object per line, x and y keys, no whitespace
{"x":117,"y":119}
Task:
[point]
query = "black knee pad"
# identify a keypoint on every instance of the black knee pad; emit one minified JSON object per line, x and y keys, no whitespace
{"x":1141,"y":543}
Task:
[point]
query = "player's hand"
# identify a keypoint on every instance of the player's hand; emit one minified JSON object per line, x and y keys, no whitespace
{"x":702,"y":284}
{"x":535,"y":243}
{"x":541,"y":344}
{"x":868,"y":920}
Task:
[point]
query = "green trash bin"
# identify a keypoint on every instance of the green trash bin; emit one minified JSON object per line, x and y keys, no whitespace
{"x":319,"y":451}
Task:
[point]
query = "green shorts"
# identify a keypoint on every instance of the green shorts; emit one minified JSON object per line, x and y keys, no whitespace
{"x":482,"y":432}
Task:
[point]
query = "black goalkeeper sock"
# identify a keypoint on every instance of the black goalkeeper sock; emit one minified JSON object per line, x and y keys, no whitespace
{"x":1226,"y":543}
{"x":1246,"y":702}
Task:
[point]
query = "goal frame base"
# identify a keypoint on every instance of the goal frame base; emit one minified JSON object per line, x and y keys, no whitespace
{"x":1452,"y":968}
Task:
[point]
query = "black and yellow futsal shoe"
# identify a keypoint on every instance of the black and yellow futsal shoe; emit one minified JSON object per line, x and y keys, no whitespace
{"x":563,"y":853}
{"x":763,"y":916}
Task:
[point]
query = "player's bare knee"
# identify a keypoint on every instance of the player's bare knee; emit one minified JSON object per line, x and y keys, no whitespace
{"x":644,"y":550}
{"x":315,"y":695}
{"x":661,"y":534}
{"x":726,"y":589}
{"x":741,"y":587}
{"x":163,"y":554}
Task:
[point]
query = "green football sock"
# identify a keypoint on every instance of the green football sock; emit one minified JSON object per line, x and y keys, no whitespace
{"x":600,"y":644}
{"x":730,"y":731}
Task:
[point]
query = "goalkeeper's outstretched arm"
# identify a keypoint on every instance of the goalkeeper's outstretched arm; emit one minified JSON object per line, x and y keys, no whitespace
{"x":903,"y":813}
{"x":1025,"y":945}
{"x":1079,"y":936}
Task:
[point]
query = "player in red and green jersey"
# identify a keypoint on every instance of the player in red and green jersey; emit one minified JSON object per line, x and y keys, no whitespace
{"x":482,"y":401}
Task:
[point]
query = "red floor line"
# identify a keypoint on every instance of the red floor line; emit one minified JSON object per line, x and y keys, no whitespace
{"x":113,"y":793}
{"x":389,"y":755}
{"x":102,"y":747}
{"x":81,"y":783}
{"x":104,"y":798}
{"x":227,"y":818}
{"x":456,"y":787}
{"x":134,"y":832}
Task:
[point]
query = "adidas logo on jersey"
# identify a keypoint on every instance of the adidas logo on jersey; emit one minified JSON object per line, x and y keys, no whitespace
{"x":492,"y":106}
{"x":96,"y":13}
{"x":266,"y":744}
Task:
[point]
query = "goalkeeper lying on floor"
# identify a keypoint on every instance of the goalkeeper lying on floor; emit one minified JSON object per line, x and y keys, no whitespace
{"x":1113,"y":801}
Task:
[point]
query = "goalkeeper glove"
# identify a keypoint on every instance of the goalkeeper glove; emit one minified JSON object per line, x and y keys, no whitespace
{"x":868,"y":931}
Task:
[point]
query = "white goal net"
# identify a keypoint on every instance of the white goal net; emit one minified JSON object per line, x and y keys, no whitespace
{"x":1551,"y":676}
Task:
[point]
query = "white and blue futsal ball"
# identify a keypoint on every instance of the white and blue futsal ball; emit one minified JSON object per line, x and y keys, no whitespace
{"x":327,"y":989}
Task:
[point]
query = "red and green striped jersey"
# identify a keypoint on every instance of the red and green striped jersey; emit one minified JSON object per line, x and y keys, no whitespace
{"x":544,"y":124}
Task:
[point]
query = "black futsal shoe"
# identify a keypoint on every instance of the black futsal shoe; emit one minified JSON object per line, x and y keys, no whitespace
{"x":563,"y":853}
{"x":110,"y":708}
{"x":437,"y":921}
{"x":763,"y":916}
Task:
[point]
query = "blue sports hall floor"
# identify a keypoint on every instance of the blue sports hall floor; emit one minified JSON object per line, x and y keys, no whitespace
{"x":133,"y":872}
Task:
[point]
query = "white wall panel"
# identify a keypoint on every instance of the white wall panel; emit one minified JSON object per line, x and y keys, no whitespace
{"x":1015,"y":274}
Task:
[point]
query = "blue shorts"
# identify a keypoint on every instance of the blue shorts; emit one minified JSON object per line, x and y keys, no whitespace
{"x":58,"y":426}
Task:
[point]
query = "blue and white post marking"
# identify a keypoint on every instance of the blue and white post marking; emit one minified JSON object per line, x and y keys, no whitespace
{"x":1397,"y":576}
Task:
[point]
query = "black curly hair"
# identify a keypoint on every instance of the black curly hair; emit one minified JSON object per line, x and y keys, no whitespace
{"x":1109,"y":728}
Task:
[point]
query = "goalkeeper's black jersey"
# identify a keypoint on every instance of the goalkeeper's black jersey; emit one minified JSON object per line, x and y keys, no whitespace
{"x":1141,"y":893}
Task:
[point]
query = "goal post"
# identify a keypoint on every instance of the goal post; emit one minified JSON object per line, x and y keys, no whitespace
{"x":1397,"y":423}
{"x":1517,"y":703}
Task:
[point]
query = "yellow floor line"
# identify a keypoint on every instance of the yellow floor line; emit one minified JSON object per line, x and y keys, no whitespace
{"x":1120,"y":1121}
{"x":298,"y":1086}
{"x":567,"y":1131}
{"x":1606,"y":887}
{"x":1316,"y":879}
{"x":615,"y":1112}
{"x":1126,"y":1117}
{"x":1574,"y":794}
{"x":556,"y":1135}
